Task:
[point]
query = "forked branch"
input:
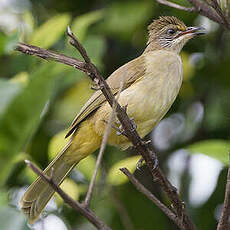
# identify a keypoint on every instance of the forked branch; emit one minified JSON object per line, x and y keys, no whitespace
{"x":209,"y":9}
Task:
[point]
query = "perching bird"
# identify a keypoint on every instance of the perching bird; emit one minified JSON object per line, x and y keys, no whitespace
{"x":151,"y":84}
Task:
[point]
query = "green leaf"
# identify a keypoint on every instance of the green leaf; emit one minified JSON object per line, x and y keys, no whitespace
{"x":22,"y":117}
{"x":115,"y":176}
{"x":123,"y":18}
{"x":71,"y":188}
{"x":87,"y":166}
{"x":3,"y":41}
{"x":95,"y":47}
{"x":3,"y":198}
{"x":49,"y":32}
{"x":57,"y":143}
{"x":12,"y":40}
{"x":8,"y":90}
{"x":217,"y":149}
{"x":81,"y":23}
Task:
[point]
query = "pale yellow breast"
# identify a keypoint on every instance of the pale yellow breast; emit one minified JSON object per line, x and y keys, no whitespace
{"x":150,"y":97}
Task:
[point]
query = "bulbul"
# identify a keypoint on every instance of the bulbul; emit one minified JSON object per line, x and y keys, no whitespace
{"x":151,"y":83}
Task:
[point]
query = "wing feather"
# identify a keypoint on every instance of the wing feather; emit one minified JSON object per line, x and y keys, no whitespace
{"x":130,"y":72}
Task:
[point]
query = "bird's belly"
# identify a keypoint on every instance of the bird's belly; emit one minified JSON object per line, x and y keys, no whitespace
{"x":146,"y":101}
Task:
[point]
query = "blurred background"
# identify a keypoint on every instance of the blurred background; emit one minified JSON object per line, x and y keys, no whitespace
{"x":39,"y":99}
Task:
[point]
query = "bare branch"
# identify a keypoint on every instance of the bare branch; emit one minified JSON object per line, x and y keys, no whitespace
{"x":219,"y":11}
{"x":74,"y":42}
{"x":204,"y":9}
{"x":53,"y":56}
{"x":88,"y":214}
{"x":224,"y":219}
{"x":176,"y":6}
{"x":147,"y":193}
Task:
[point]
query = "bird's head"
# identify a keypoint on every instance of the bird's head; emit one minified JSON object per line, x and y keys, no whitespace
{"x":169,"y":33}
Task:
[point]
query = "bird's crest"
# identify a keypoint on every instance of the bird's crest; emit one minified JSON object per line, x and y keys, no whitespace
{"x":163,"y":21}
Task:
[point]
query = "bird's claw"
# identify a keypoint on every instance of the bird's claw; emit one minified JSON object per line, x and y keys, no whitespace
{"x":154,"y":159}
{"x":140,"y":163}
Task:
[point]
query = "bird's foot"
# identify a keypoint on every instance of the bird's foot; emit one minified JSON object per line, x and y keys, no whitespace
{"x":140,"y":163}
{"x":120,"y":130}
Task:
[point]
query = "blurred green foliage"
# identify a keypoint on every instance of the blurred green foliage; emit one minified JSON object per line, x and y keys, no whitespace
{"x":38,"y":100}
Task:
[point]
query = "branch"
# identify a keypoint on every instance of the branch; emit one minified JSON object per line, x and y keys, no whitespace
{"x":176,"y":6}
{"x":53,"y":56}
{"x":142,"y":147}
{"x":213,"y":13}
{"x":219,"y":11}
{"x":205,"y":10}
{"x":224,"y":219}
{"x":88,"y":214}
{"x":171,"y":215}
{"x":103,"y":144}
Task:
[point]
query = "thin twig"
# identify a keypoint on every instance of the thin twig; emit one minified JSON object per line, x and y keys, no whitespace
{"x":102,"y":148}
{"x":74,"y":204}
{"x":147,"y":193}
{"x":74,"y":42}
{"x":224,"y":219}
{"x":176,"y":6}
{"x":53,"y":56}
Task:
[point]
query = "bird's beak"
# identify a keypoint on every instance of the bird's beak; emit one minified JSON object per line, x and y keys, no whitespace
{"x":194,"y":31}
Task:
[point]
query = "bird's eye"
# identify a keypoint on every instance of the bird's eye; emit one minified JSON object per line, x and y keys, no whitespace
{"x":171,"y":31}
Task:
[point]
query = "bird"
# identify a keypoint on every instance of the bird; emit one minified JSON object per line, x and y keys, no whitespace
{"x":151,"y":83}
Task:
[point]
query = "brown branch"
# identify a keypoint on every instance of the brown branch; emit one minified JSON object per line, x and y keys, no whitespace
{"x":224,"y":219}
{"x":176,"y":6}
{"x":53,"y":56}
{"x":103,"y":144}
{"x":214,"y":13}
{"x":130,"y":131}
{"x":219,"y":11}
{"x":204,"y":9}
{"x":74,"y":42}
{"x":171,"y":215}
{"x":88,"y":214}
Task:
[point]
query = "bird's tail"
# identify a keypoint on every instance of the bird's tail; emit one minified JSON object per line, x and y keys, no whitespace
{"x":39,"y":193}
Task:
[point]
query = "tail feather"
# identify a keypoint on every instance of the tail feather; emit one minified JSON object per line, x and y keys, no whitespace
{"x":39,"y":193}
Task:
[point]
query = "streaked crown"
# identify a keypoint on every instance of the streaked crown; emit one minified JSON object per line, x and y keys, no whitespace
{"x":170,"y":33}
{"x":164,"y":22}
